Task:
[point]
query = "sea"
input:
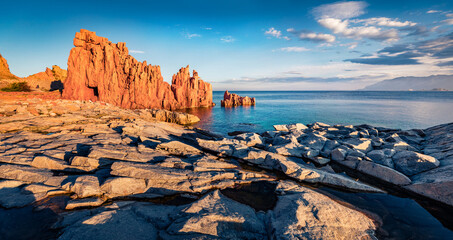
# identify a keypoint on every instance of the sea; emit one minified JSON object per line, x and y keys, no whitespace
{"x":401,"y":216}
{"x":391,"y":109}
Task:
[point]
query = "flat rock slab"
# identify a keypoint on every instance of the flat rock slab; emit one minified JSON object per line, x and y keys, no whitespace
{"x":435,"y":184}
{"x":219,"y":216}
{"x":384,"y":173}
{"x":311,"y":215}
{"x":110,"y":224}
{"x":24,"y":173}
{"x":86,"y":202}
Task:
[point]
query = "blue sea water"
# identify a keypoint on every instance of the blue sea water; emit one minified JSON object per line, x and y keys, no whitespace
{"x":402,"y":110}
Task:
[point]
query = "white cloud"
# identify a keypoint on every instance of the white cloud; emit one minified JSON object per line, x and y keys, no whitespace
{"x":294,"y":49}
{"x":432,"y":11}
{"x":341,"y":27}
{"x":311,"y":36}
{"x":273,"y":32}
{"x":227,"y":39}
{"x":276,"y":33}
{"x":350,"y":45}
{"x":385,"y":22}
{"x":450,"y":15}
{"x":136,"y":51}
{"x":321,"y":37}
{"x":207,"y":28}
{"x":448,"y":21}
{"x":191,"y":35}
{"x":340,"y":10}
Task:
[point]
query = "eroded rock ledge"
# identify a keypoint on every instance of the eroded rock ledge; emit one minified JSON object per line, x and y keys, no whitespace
{"x":101,"y":70}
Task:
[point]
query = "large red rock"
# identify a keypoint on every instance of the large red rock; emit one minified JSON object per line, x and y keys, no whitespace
{"x":233,"y":100}
{"x":101,"y":70}
{"x":4,"y":70}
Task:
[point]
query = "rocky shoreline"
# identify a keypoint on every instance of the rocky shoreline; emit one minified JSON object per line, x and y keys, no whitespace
{"x":103,"y":172}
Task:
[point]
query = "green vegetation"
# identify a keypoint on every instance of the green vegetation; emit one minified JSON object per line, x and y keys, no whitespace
{"x":17,"y":87}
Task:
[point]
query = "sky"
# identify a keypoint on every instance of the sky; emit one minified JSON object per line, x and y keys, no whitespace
{"x":244,"y":45}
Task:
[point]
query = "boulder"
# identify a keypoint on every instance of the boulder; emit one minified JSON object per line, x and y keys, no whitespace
{"x":383,"y":157}
{"x":86,"y":186}
{"x":49,"y":163}
{"x":311,"y":215}
{"x":361,"y":144}
{"x":219,"y":216}
{"x":382,"y":172}
{"x":411,"y":163}
{"x":436,"y":184}
{"x":280,"y":128}
{"x":339,"y":154}
{"x":251,"y":139}
{"x":123,"y":186}
{"x":234,"y":100}
{"x":123,"y":81}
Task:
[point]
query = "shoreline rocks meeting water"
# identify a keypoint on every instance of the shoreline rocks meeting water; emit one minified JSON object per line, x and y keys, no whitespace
{"x":103,"y":172}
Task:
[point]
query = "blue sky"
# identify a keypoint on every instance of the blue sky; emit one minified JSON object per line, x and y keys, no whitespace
{"x":244,"y":45}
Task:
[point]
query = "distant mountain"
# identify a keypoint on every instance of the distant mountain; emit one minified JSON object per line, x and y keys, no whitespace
{"x":430,"y":83}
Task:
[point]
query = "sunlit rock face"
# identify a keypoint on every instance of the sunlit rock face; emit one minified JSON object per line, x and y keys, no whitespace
{"x":50,"y":79}
{"x":101,"y":70}
{"x":234,"y":100}
{"x":4,"y":69}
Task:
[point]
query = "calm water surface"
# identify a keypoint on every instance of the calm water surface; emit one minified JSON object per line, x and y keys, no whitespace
{"x":404,"y":110}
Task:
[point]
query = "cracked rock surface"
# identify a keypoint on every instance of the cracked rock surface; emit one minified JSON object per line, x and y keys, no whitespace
{"x":110,"y":173}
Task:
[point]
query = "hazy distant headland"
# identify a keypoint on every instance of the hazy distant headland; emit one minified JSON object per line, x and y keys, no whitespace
{"x":430,"y":83}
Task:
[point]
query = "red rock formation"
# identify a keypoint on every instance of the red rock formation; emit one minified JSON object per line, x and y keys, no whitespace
{"x":191,"y":91}
{"x":47,"y":80}
{"x":233,"y":100}
{"x":4,"y":70}
{"x":101,"y":70}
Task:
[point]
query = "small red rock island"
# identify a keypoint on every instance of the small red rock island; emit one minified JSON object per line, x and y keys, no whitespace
{"x":234,"y":100}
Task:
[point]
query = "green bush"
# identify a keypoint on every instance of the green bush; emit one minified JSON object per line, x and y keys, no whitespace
{"x":17,"y":87}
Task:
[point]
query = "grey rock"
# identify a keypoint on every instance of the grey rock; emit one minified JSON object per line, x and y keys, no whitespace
{"x":296,"y":127}
{"x":338,"y":154}
{"x":383,"y":157}
{"x":361,"y":144}
{"x":313,"y":141}
{"x":86,"y":202}
{"x":24,"y":173}
{"x":382,"y":172}
{"x":219,"y":216}
{"x":109,"y":224}
{"x":411,"y":163}
{"x":178,"y":148}
{"x":86,"y":186}
{"x":280,"y":128}
{"x":251,"y":139}
{"x":436,"y":184}
{"x":123,"y":186}
{"x":310,"y":215}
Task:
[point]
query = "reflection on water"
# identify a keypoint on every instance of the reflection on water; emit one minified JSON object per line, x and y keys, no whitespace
{"x":402,"y":110}
{"x":401,"y":218}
